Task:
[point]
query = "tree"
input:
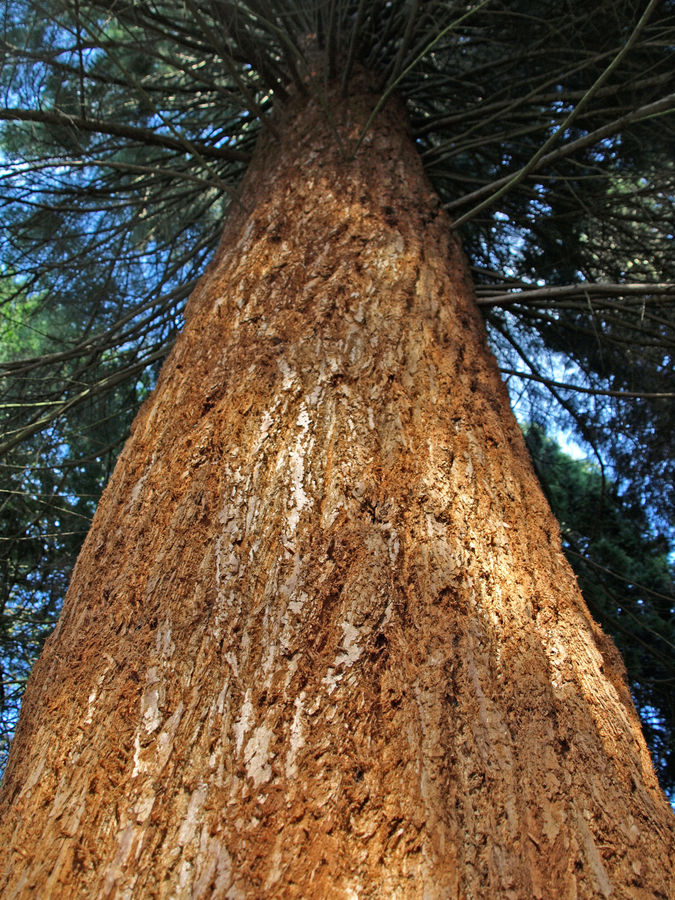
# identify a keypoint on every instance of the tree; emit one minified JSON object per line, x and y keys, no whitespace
{"x":322,"y":639}
{"x":626,"y":579}
{"x":46,"y":508}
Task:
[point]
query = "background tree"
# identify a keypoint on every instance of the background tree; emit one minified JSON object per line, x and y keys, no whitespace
{"x":625,"y":576}
{"x":49,"y":487}
{"x":545,"y":129}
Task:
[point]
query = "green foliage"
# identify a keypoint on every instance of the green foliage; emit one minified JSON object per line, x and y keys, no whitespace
{"x":49,"y":487}
{"x":627,"y":580}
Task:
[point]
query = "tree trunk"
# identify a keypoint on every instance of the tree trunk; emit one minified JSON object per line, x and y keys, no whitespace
{"x":322,"y":640}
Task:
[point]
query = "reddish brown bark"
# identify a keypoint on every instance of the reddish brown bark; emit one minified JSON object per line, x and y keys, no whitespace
{"x":321,"y":640}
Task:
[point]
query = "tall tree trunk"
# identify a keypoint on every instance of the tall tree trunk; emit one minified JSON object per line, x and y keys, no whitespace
{"x":322,"y":640}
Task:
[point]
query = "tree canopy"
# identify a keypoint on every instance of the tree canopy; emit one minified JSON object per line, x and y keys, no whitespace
{"x":626,"y":578}
{"x":546,"y":129}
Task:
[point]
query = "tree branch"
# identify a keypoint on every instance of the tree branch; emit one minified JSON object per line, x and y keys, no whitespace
{"x":131,"y":132}
{"x":527,"y":295}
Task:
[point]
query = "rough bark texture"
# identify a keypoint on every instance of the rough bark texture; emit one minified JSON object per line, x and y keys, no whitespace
{"x":322,"y":640}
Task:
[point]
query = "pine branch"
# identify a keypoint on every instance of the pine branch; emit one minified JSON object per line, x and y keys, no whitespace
{"x":498,"y":188}
{"x":143,"y":136}
{"x":580,"y":389}
{"x":526,"y":295}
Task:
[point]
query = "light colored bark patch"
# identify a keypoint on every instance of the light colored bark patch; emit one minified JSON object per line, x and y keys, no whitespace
{"x":152,"y":697}
{"x":189,"y":825}
{"x":297,"y":737}
{"x":256,"y":755}
{"x":244,"y":722}
{"x":300,"y":499}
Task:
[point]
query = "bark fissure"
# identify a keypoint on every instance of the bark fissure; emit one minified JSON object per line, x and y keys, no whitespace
{"x":322,"y":639}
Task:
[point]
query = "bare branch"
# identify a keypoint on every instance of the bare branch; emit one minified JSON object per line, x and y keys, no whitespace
{"x":129,"y":132}
{"x":485,"y":297}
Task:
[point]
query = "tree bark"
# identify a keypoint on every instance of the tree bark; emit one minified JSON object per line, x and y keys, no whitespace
{"x":322,"y":640}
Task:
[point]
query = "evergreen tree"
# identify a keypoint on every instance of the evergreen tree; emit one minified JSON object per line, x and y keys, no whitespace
{"x":626,"y":578}
{"x":49,"y":486}
{"x":546,"y":133}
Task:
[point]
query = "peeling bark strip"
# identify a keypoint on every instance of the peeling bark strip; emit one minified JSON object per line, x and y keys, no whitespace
{"x":321,"y":640}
